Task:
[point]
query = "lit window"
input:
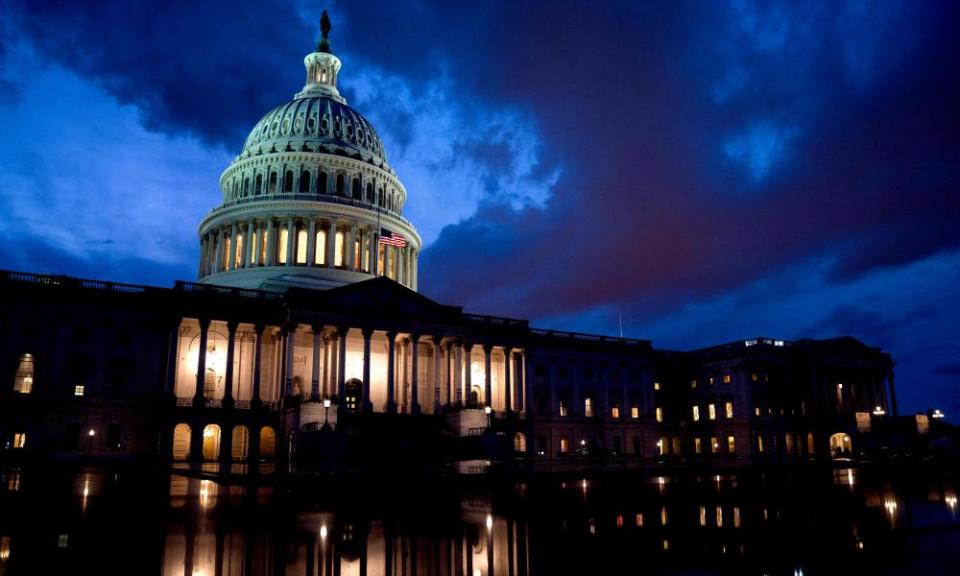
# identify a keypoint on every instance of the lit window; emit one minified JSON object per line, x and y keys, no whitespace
{"x":728,"y":410}
{"x":634,"y":412}
{"x":662,"y":447}
{"x":639,"y":520}
{"x":282,"y":246}
{"x":663,"y":516}
{"x":656,"y":386}
{"x":714,"y":445}
{"x":619,"y":520}
{"x":659,"y":414}
{"x":588,"y":407}
{"x":719,"y":517}
{"x":756,"y":411}
{"x":615,"y":411}
{"x":710,"y":380}
{"x":320,"y":248}
{"x":736,"y":516}
{"x":19,"y":439}
{"x":564,"y":445}
{"x":338,"y":249}
{"x":563,"y":408}
{"x":727,"y":378}
{"x":63,"y":540}
{"x":693,"y":383}
{"x":696,"y":413}
{"x":760,"y":444}
{"x":227,"y":256}
{"x":754,"y":377}
{"x":697,"y":447}
{"x":731,"y":444}
{"x":23,"y":381}
{"x":78,"y":390}
{"x":703,"y":515}
{"x":711,"y":412}
{"x":301,"y":246}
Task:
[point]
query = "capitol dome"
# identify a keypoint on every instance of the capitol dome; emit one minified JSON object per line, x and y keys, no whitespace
{"x":310,"y":200}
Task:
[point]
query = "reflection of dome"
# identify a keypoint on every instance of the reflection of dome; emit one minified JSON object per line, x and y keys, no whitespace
{"x":310,"y":200}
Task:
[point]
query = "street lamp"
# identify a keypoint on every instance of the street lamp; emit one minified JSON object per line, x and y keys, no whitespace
{"x":326,"y":414}
{"x":488,"y":411}
{"x":91,"y":433}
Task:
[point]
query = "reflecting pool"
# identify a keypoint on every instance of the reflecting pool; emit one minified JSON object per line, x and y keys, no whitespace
{"x":840,"y":521}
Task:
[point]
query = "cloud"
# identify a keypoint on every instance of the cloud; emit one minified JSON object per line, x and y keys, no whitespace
{"x":949,"y":367}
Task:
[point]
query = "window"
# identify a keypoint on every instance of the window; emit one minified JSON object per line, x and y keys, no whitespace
{"x":588,"y":407}
{"x":710,"y":381}
{"x":322,"y":183}
{"x":282,"y":245}
{"x":19,"y":440}
{"x":731,"y":444}
{"x":258,"y":186}
{"x":113,"y":436}
{"x":338,"y":249}
{"x":564,"y":445}
{"x":301,"y":246}
{"x":714,"y":445}
{"x":272,"y":186}
{"x":711,"y":411}
{"x":756,"y":411}
{"x":754,"y":377}
{"x":696,"y":413}
{"x":78,"y":390}
{"x":615,"y":412}
{"x":656,"y":386}
{"x":23,"y":381}
{"x":759,"y":444}
{"x":703,"y":515}
{"x":639,"y":520}
{"x":693,"y":383}
{"x":634,"y":412}
{"x":728,"y":410}
{"x":288,"y":181}
{"x":719,"y":517}
{"x":320,"y":250}
{"x":305,"y":181}
{"x":659,"y":414}
{"x":662,"y":447}
{"x":563,"y":408}
{"x":341,"y":187}
{"x":355,"y":188}
{"x":727,"y":378}
{"x":697,"y":446}
{"x":736,"y":516}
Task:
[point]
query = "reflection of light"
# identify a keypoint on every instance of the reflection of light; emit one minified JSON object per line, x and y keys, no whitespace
{"x":4,"y":548}
{"x":489,"y":522}
{"x":951,"y":500}
{"x":850,"y":477}
{"x":798,"y":572}
{"x":86,"y":492}
{"x":323,"y":532}
{"x":937,"y":414}
{"x":208,"y":493}
{"x":891,"y":505}
{"x":879,"y":411}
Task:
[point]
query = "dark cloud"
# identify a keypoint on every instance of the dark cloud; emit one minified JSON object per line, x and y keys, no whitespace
{"x":949,"y":367}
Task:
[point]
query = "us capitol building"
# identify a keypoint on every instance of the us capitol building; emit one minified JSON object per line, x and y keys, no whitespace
{"x":305,"y":332}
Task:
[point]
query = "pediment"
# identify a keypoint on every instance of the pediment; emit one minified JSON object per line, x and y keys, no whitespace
{"x":379,"y":298}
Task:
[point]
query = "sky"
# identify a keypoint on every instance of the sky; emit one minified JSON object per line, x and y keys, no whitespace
{"x":704,"y":171}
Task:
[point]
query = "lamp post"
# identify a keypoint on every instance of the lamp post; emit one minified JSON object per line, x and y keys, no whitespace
{"x":326,"y":414}
{"x":91,"y":433}
{"x":489,"y":412}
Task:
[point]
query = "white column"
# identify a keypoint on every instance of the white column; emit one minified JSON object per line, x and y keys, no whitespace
{"x":248,"y":247}
{"x":218,"y":262}
{"x":348,"y":240}
{"x":331,"y":242}
{"x":311,"y":242}
{"x":291,"y":240}
{"x":271,"y":244}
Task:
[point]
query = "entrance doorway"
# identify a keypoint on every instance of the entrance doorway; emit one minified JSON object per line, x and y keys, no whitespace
{"x":352,"y":395}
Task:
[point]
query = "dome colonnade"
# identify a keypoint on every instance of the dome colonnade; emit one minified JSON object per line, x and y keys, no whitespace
{"x":311,"y":199}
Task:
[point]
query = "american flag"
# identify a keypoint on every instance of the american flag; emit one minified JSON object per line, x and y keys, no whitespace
{"x":392,"y":238}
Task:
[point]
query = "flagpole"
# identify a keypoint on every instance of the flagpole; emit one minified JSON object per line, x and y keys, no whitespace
{"x":376,"y":257}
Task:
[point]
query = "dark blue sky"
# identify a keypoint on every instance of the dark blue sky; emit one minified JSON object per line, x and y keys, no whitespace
{"x":711,"y":171}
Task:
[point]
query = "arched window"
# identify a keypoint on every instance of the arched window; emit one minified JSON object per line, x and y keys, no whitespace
{"x":322,"y":183}
{"x":390,"y":202}
{"x":305,"y":181}
{"x":355,"y":188}
{"x":258,"y":186}
{"x":246,"y":186}
{"x":181,"y":442}
{"x":272,"y":186}
{"x":338,"y":249}
{"x":301,"y":257}
{"x":288,"y":181}
{"x":340,"y":185}
{"x":268,"y":442}
{"x":23,"y":381}
{"x":240,"y":439}
{"x":282,"y":235}
{"x":370,"y":192}
{"x":238,"y":260}
{"x":380,"y":198}
{"x":211,"y":442}
{"x":519,"y":442}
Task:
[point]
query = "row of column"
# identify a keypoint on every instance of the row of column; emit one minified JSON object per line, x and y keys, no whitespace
{"x":452,"y":374}
{"x":257,"y":243}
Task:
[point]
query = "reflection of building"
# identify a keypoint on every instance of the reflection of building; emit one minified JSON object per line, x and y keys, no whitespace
{"x":307,"y":293}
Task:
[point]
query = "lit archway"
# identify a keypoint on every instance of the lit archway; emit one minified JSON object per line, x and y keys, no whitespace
{"x":240,"y":440}
{"x":352,"y":395}
{"x":211,"y":442}
{"x":520,"y":442}
{"x":181,"y":442}
{"x":268,"y":442}
{"x":840,"y":444}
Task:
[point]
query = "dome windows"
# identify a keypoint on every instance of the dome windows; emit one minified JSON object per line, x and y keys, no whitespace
{"x":322,"y":183}
{"x":258,"y":185}
{"x":305,"y":181}
{"x":272,"y":186}
{"x":340,"y":185}
{"x":288,"y":181}
{"x":311,"y":123}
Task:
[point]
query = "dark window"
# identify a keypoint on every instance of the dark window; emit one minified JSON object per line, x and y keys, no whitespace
{"x":355,"y":188}
{"x":616,"y":445}
{"x":288,"y":181}
{"x":370,"y":192}
{"x":272,"y":187}
{"x":636,"y":445}
{"x":114,"y":436}
{"x":539,"y":370}
{"x":71,"y":436}
{"x":259,"y":184}
{"x":340,"y":185}
{"x":305,"y":181}
{"x":322,"y":184}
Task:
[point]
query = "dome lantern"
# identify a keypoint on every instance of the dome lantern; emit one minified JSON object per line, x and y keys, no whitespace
{"x":322,"y":67}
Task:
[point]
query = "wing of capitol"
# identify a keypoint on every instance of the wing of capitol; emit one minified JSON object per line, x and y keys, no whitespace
{"x":304,"y":345}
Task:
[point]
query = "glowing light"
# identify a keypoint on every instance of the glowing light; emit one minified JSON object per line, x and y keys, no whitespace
{"x":938,"y":414}
{"x":326,"y":402}
{"x":891,"y":505}
{"x":91,"y":433}
{"x":489,"y":522}
{"x":879,"y":411}
{"x":207,"y":432}
{"x":323,"y":532}
{"x":477,"y":572}
{"x":951,"y":501}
